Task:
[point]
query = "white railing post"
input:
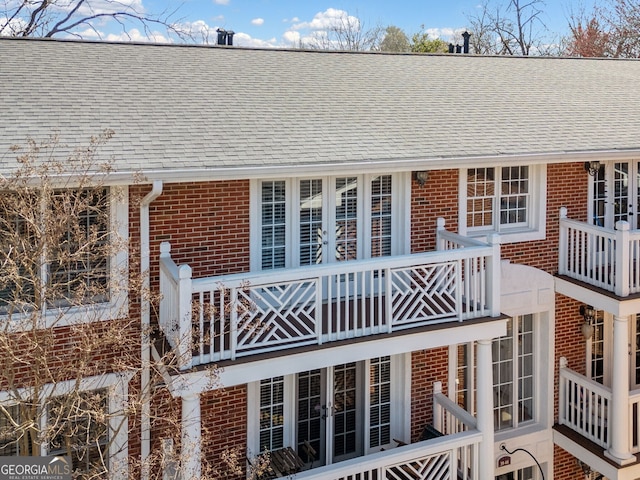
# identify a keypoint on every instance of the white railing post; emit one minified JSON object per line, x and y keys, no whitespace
{"x":437,"y":408}
{"x":233,"y":321}
{"x":493,"y":275}
{"x":562,"y":397}
{"x":185,"y":340}
{"x":440,"y":226}
{"x":388,"y":293}
{"x":167,"y":297}
{"x":622,"y":254}
{"x":563,"y":243}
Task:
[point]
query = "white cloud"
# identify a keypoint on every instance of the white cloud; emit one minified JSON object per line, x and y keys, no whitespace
{"x":257,"y":21}
{"x":331,"y":17}
{"x":199,"y":30}
{"x":135,"y":35}
{"x":221,"y":2}
{"x":291,"y":38}
{"x":244,"y":40}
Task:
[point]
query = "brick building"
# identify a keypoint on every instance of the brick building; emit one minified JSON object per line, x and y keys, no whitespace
{"x":401,"y":266}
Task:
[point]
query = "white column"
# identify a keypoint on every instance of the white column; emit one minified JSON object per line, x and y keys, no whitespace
{"x":618,"y":421}
{"x":484,"y":402}
{"x":191,"y":448}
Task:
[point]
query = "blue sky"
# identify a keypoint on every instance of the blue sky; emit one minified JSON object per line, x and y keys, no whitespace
{"x":281,"y":22}
{"x":290,"y":23}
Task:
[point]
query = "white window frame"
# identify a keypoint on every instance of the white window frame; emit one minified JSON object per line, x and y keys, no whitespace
{"x":400,"y":400}
{"x":542,"y":349}
{"x":400,"y":228}
{"x":117,"y":305}
{"x":117,"y":386}
{"x":536,"y":216}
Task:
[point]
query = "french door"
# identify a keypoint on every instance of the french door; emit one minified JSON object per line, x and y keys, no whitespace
{"x":309,"y":221}
{"x":616,"y":194}
{"x":601,"y":349}
{"x":330,"y":408}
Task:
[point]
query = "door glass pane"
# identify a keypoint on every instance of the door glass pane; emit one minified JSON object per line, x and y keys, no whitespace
{"x":273,"y":224}
{"x":380,"y":401}
{"x":381,"y":216}
{"x":346,"y":218}
{"x":636,"y":340}
{"x":271,"y":414}
{"x":636,"y":208}
{"x":311,"y":236}
{"x":525,"y":368}
{"x":599,"y":197}
{"x":597,"y":348}
{"x":344,"y":410}
{"x":311,"y":414}
{"x":621,"y":191}
{"x":503,"y":379}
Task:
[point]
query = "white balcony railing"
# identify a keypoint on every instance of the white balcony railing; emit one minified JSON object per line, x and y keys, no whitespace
{"x":584,"y":406}
{"x":453,"y":456}
{"x":218,"y":318}
{"x":435,"y":459}
{"x":602,"y":257}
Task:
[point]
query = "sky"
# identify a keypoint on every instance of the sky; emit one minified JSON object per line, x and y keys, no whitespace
{"x":284,"y":23}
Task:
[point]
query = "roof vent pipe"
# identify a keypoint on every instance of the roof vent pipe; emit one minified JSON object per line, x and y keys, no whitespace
{"x":225,"y":37}
{"x":465,"y":47}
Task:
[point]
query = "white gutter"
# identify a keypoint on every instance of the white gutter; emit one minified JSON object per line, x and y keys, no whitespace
{"x":145,"y":320}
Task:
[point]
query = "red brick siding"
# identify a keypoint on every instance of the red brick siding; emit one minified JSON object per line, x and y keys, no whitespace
{"x":427,"y":366}
{"x":224,"y":429}
{"x":438,"y":198}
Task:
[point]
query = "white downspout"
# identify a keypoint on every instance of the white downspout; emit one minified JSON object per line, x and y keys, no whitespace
{"x":145,"y":320}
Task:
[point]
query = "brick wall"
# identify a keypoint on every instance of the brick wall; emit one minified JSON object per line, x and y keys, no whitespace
{"x":438,"y":198}
{"x":224,"y":431}
{"x":427,"y":366}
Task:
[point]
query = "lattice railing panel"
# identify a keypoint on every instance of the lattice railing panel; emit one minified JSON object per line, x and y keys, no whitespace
{"x":437,"y":467}
{"x":269,"y":316}
{"x":424,"y":293}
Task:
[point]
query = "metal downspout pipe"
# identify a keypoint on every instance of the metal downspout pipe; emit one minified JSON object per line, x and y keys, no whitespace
{"x":145,"y":320}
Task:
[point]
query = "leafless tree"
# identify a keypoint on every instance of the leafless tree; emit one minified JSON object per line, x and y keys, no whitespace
{"x":71,"y":367}
{"x":346,"y":32}
{"x":80,"y":18}
{"x":514,"y":28}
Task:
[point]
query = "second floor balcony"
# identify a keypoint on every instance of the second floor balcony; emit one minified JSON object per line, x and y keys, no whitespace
{"x":210,"y":319}
{"x":603,"y":257}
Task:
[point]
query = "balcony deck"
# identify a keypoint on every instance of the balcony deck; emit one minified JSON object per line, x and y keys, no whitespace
{"x":600,"y":257}
{"x":214,"y":319}
{"x":453,"y":456}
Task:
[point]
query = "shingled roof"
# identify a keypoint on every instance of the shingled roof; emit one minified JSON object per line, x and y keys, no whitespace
{"x":228,"y":109}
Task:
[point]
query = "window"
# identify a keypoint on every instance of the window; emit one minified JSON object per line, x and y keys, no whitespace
{"x":513,"y":380}
{"x":513,"y":374}
{"x":83,"y":418}
{"x":62,"y":251}
{"x":310,"y":221}
{"x":528,"y":473}
{"x":507,"y":200}
{"x":78,"y":261}
{"x":341,"y":411}
{"x":271,"y":414}
{"x":79,"y":428}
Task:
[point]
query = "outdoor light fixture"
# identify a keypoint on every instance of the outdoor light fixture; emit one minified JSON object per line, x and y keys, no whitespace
{"x":421,"y":177}
{"x":589,"y":314}
{"x":592,"y":167}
